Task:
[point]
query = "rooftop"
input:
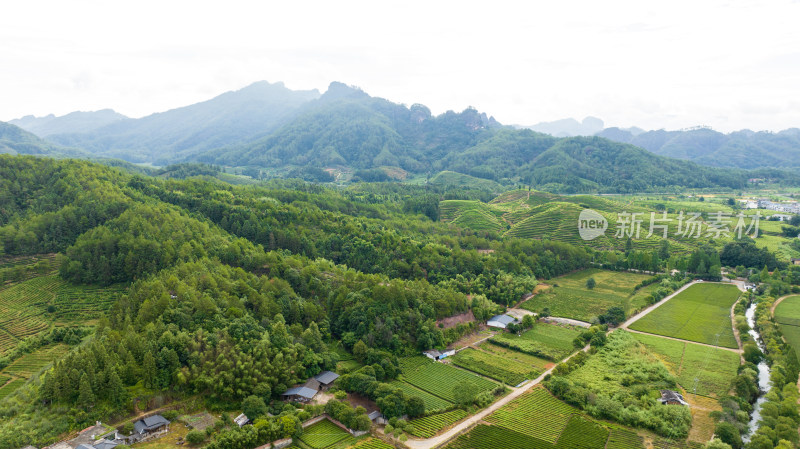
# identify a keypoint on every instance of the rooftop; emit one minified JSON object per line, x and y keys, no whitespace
{"x":326,"y":377}
{"x":304,"y":392}
{"x":503,"y":319}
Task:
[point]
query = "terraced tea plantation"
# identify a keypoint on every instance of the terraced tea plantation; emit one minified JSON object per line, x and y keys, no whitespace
{"x":440,"y":380}
{"x":490,"y":365}
{"x":540,"y":421}
{"x":548,"y":341}
{"x":432,"y":403}
{"x":371,"y":443}
{"x":701,"y":369}
{"x":30,"y":364}
{"x":429,"y":426}
{"x":24,"y":307}
{"x":323,"y":434}
{"x":700,"y":313}
{"x":571,"y":298}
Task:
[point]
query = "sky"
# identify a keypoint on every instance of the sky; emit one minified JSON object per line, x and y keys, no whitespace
{"x":654,"y":64}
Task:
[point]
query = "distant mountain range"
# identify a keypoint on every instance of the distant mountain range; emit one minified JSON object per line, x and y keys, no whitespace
{"x":72,"y":123}
{"x":268,"y":128}
{"x":15,"y":140}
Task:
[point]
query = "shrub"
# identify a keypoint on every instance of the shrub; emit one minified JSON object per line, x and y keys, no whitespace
{"x":195,"y":437}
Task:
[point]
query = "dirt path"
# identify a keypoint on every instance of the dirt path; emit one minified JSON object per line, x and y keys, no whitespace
{"x":738,"y":351}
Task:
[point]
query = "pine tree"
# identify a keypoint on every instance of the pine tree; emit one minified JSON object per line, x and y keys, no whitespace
{"x":85,"y":394}
{"x":149,"y":367}
{"x":116,"y":392}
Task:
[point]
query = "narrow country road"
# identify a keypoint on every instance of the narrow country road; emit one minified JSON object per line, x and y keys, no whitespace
{"x":461,"y":427}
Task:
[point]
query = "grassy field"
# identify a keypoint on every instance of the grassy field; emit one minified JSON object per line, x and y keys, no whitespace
{"x":24,"y":307}
{"x":700,"y":313}
{"x":787,"y":315}
{"x":520,"y":357}
{"x":549,"y":341}
{"x":429,"y":426}
{"x":440,"y":380}
{"x":708,"y":370}
{"x":491,"y":365}
{"x":323,"y":434}
{"x":571,"y":298}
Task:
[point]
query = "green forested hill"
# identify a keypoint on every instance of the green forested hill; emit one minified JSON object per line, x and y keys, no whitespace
{"x":235,"y":291}
{"x":346,"y":129}
{"x":15,"y":140}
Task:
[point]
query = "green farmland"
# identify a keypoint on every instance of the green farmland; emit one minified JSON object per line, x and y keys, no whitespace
{"x":548,"y":341}
{"x":571,"y":299}
{"x":537,"y":420}
{"x":490,"y":365}
{"x":701,"y":313}
{"x":701,"y":369}
{"x":323,"y":434}
{"x":787,"y":315}
{"x":441,"y":380}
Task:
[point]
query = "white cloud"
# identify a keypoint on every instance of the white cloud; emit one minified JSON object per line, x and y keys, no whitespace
{"x":669,"y":64}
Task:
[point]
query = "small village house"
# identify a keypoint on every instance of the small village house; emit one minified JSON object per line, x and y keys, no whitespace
{"x":436,"y":355}
{"x":669,"y":397}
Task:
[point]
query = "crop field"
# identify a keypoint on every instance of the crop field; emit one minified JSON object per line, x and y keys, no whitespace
{"x":549,"y":341}
{"x":440,"y":380}
{"x":493,"y":437}
{"x":702,"y":423}
{"x":498,"y":368}
{"x":429,"y":426}
{"x":700,"y":313}
{"x":371,"y":443}
{"x":537,"y":414}
{"x":474,"y":215}
{"x":571,"y":298}
{"x":540,"y":421}
{"x":624,"y":439}
{"x":10,"y":387}
{"x":709,"y":370}
{"x":582,"y":433}
{"x":787,"y":315}
{"x":323,"y":434}
{"x":23,"y":307}
{"x":30,"y":364}
{"x":432,"y":403}
{"x":536,"y":363}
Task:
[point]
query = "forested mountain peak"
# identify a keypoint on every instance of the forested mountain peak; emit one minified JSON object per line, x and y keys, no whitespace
{"x":230,"y":118}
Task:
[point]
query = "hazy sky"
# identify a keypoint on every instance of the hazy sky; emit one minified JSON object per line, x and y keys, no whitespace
{"x":666,"y":64}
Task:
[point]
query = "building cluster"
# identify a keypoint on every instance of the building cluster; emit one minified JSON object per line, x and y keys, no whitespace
{"x":307,"y":391}
{"x":792,"y":207}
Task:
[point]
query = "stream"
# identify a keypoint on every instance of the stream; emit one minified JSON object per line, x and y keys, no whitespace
{"x":763,"y":375}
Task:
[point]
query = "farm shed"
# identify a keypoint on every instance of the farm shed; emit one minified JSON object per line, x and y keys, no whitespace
{"x":377,"y":417}
{"x":325,"y":379}
{"x":501,"y":321}
{"x":241,"y":420}
{"x":300,"y":394}
{"x":436,"y":355}
{"x":669,"y":397}
{"x":105,"y":444}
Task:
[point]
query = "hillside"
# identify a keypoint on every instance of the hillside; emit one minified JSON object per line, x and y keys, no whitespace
{"x":15,"y":140}
{"x":227,"y":119}
{"x":742,"y":149}
{"x":74,"y":122}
